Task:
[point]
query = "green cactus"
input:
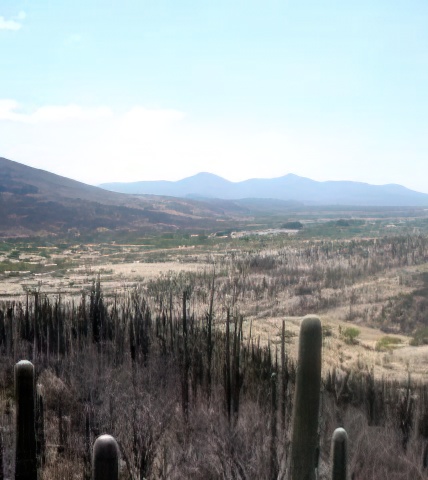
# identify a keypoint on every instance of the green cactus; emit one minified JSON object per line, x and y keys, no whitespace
{"x":105,"y":459}
{"x":26,"y":452}
{"x":339,"y":452}
{"x":304,"y":444}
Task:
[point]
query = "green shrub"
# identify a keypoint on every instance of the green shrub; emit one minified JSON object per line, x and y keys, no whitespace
{"x":350,"y":335}
{"x":387,"y":343}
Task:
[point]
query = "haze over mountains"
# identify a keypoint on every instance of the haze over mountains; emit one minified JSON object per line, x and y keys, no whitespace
{"x":37,"y":202}
{"x":289,"y":187}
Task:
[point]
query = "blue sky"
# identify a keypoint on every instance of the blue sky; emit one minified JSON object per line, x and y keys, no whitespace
{"x":144,"y":90}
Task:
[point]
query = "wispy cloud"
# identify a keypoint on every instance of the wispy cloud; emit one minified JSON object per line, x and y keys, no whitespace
{"x":15,"y":23}
{"x":72,"y":138}
{"x":99,"y":144}
{"x":10,"y":110}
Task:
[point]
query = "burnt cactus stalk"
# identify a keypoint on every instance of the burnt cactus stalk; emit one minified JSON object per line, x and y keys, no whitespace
{"x":87,"y":451}
{"x":26,"y":453}
{"x":1,"y":457}
{"x":237,"y":375}
{"x":186,"y":363}
{"x":284,"y":377}
{"x":339,"y":453}
{"x":40,"y":427}
{"x":226,"y":370}
{"x":304,"y":443}
{"x":105,"y":459}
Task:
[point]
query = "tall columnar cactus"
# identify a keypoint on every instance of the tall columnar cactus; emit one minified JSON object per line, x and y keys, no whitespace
{"x":304,"y":443}
{"x":339,"y":453}
{"x":105,"y":459}
{"x":26,"y":453}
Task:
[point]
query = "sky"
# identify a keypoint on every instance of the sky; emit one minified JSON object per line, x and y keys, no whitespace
{"x":129,"y":90}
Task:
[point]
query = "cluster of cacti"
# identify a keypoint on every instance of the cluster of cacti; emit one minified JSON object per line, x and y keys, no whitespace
{"x":304,"y":445}
{"x":240,"y":370}
{"x":30,"y":441}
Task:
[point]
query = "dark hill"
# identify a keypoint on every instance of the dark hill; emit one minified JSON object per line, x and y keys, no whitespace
{"x":34,"y":202}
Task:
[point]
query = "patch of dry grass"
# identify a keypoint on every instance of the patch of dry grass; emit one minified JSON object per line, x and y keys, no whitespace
{"x":348,"y":306}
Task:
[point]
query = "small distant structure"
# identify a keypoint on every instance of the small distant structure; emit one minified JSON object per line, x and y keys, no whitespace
{"x":268,"y":231}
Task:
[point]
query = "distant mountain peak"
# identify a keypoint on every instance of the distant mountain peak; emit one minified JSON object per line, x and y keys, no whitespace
{"x":206,"y":174}
{"x":290,"y":187}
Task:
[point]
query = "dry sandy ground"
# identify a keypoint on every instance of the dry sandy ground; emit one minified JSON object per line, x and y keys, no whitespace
{"x":113,"y":277}
{"x":121,"y":276}
{"x":137,"y":270}
{"x":392,"y":364}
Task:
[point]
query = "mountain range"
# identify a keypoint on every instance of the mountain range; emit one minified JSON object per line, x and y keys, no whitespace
{"x":35,"y":202}
{"x":289,"y":187}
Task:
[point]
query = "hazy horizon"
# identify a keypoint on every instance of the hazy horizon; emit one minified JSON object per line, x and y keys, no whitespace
{"x":162,"y":91}
{"x":251,"y":178}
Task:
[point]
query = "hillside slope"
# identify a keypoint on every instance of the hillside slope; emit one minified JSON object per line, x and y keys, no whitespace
{"x":34,"y":202}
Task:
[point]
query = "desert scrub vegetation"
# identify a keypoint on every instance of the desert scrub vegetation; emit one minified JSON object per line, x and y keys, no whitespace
{"x":387,"y":343}
{"x":350,"y":335}
{"x":407,"y":312}
{"x":266,"y":277}
{"x":420,"y":337}
{"x":170,"y":375}
{"x":296,"y":278}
